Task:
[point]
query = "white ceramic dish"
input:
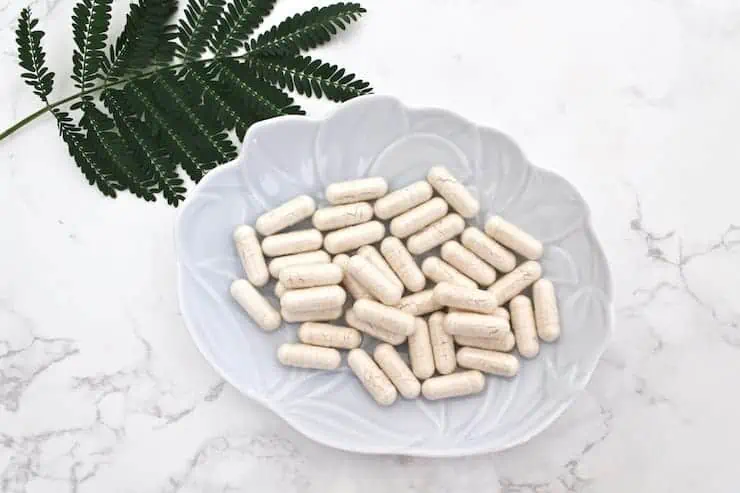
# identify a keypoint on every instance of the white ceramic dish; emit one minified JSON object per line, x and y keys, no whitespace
{"x":379,"y":136}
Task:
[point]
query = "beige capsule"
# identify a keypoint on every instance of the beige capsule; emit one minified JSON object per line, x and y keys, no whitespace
{"x":513,"y":237}
{"x":435,"y":234}
{"x":372,"y":279}
{"x":279,"y":289}
{"x":546,"y":310}
{"x":356,"y":289}
{"x":455,"y":385}
{"x":402,"y":200}
{"x":279,"y":263}
{"x":312,"y":316}
{"x":468,"y":299}
{"x":516,"y":281}
{"x":476,"y":325}
{"x":419,"y":303}
{"x":361,"y":190}
{"x":418,"y":218}
{"x":453,"y":191}
{"x":373,"y":255}
{"x":403,"y":264}
{"x":397,"y":371}
{"x":294,"y":242}
{"x":372,"y":377}
{"x":305,"y":356}
{"x":493,"y":362}
{"x":443,"y":345}
{"x":420,"y":351}
{"x":438,"y":270}
{"x":290,"y":213}
{"x":504,"y":343}
{"x":344,"y":240}
{"x":257,"y":307}
{"x":329,"y":335}
{"x":250,"y":253}
{"x":525,"y":331}
{"x":372,"y":330}
{"x":502,"y":312}
{"x":311,"y":275}
{"x":342,"y":216}
{"x":468,"y":263}
{"x":483,"y":246}
{"x":313,"y":299}
{"x":386,"y":317}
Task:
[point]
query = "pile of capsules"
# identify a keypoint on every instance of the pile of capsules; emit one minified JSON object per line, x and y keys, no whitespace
{"x":312,"y":286}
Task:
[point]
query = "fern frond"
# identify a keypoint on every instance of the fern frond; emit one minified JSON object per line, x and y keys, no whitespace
{"x":307,"y":30}
{"x":32,"y":56}
{"x":196,"y":29}
{"x":238,"y":22}
{"x":90,"y":22}
{"x":264,"y":99}
{"x":309,"y":77}
{"x":145,"y":37}
{"x":152,"y":158}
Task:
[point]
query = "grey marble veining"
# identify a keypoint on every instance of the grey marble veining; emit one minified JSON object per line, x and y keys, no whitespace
{"x":635,"y":102}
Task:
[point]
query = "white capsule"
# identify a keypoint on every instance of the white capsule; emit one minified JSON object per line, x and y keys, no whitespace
{"x":525,"y":331}
{"x":305,"y":240}
{"x":468,"y":299}
{"x":313,"y":299}
{"x":342,"y":216}
{"x":468,"y":263}
{"x":344,"y":240}
{"x":453,"y":191}
{"x":374,"y":257}
{"x":483,"y":246}
{"x":374,"y":281}
{"x":418,"y":218}
{"x":513,"y":237}
{"x":493,"y":362}
{"x":443,"y":345}
{"x":372,"y":377}
{"x":402,"y":200}
{"x":279,"y":263}
{"x":257,"y":307}
{"x":435,"y":234}
{"x":455,"y":385}
{"x":419,"y":303}
{"x":286,"y":215}
{"x":397,"y":371}
{"x":505,"y":343}
{"x":476,"y":325}
{"x":438,"y":270}
{"x":386,"y":317}
{"x":403,"y":264}
{"x":347,"y":192}
{"x":350,"y":283}
{"x":310,"y":276}
{"x":279,"y":289}
{"x":250,"y":253}
{"x":372,"y":330}
{"x":305,"y":356}
{"x":516,"y":281}
{"x":502,"y":312}
{"x":329,"y":335}
{"x":546,"y":310}
{"x":311,"y":316}
{"x":420,"y":351}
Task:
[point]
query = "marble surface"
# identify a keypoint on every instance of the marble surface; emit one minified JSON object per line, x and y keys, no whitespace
{"x":634,"y":101}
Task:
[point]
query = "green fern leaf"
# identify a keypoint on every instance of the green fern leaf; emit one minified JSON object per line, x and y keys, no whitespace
{"x":307,"y":30}
{"x":309,"y":77}
{"x":90,"y":22}
{"x":196,"y":29}
{"x":146,"y":36}
{"x":32,"y":56}
{"x":238,"y":22}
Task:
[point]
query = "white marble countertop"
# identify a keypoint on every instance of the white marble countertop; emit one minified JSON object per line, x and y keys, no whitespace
{"x":636,"y":102}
